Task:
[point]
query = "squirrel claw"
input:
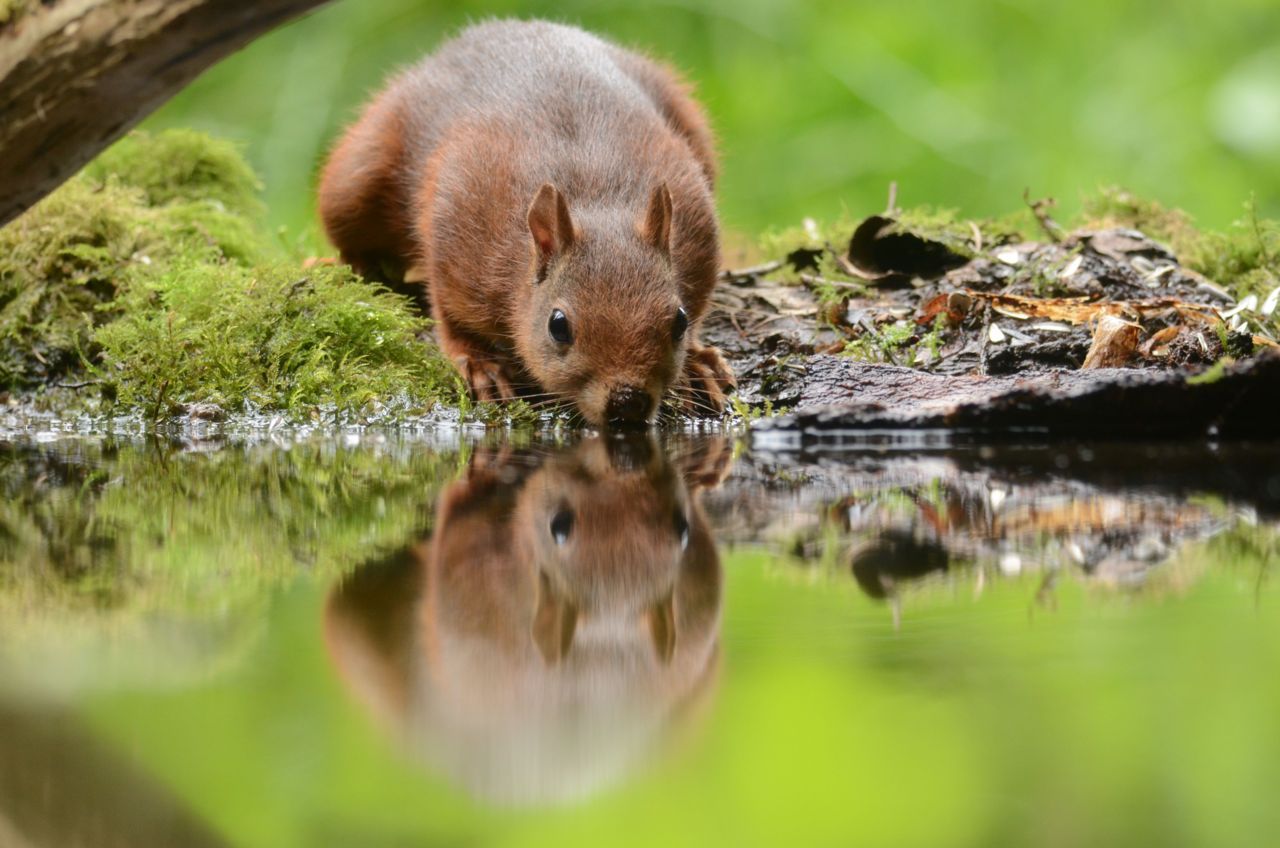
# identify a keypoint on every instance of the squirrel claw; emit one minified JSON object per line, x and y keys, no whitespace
{"x":487,"y":380}
{"x":707,"y":381}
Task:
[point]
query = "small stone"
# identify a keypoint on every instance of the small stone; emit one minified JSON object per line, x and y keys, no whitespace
{"x":204,"y":412}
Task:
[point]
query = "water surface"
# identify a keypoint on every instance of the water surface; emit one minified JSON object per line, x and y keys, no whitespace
{"x":392,"y":640}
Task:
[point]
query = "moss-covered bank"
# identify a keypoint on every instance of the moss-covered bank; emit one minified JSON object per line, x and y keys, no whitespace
{"x":149,"y":281}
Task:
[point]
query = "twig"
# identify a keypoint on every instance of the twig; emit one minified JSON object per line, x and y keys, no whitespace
{"x":977,"y":237}
{"x":986,"y":336}
{"x":847,"y":267}
{"x":892,"y":206}
{"x":753,"y":271}
{"x":1040,"y":208}
{"x":815,"y":280}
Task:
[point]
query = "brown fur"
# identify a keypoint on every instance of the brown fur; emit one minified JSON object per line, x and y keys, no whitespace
{"x":499,"y":645}
{"x":516,"y":170}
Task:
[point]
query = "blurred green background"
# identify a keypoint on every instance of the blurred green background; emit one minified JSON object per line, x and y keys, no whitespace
{"x":819,"y":105}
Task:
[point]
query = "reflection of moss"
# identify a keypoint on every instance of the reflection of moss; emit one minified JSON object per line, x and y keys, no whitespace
{"x":150,"y":269}
{"x":97,"y":538}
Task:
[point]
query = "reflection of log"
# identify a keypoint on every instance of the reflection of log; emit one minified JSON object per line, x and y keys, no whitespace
{"x":77,"y":74}
{"x":61,"y":787}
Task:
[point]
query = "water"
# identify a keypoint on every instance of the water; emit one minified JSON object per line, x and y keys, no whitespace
{"x":382,"y":640}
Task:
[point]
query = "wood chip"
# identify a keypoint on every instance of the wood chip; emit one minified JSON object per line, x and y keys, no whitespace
{"x":1115,"y":341}
{"x":1072,"y":267}
{"x":1249,"y":304}
{"x":1273,"y":299}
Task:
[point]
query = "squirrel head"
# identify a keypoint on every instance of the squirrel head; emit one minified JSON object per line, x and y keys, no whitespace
{"x":606,"y":325}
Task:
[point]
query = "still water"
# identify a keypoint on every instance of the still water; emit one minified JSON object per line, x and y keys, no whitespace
{"x":395,"y":640}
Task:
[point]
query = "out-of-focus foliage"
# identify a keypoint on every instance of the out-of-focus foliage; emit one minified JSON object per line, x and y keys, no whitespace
{"x":819,"y":105}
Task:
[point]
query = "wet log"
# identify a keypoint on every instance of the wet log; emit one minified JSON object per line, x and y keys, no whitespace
{"x":845,"y":399}
{"x":75,"y":75}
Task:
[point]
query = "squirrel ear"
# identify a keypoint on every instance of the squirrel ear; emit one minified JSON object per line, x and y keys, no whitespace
{"x":657,"y":221}
{"x":554,"y":620}
{"x":550,"y":224}
{"x":662,"y":627}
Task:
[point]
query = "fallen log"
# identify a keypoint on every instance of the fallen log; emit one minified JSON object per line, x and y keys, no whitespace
{"x":841,"y":398}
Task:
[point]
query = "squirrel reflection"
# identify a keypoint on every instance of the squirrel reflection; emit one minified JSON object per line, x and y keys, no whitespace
{"x":563,"y":611}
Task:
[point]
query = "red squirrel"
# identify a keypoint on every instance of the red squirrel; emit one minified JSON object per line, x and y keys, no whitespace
{"x":554,"y":193}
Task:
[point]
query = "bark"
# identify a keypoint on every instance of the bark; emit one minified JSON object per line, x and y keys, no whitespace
{"x":75,"y":75}
{"x":840,"y":399}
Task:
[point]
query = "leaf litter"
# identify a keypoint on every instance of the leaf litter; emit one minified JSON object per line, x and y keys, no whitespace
{"x":976,"y":300}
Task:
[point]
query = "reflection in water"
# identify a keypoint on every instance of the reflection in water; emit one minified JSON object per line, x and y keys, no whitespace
{"x":562,"y":613}
{"x":60,"y":787}
{"x":151,"y":561}
{"x":561,"y":619}
{"x":1113,"y":515}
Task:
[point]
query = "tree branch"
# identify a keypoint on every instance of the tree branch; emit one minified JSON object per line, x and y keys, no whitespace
{"x":75,"y":75}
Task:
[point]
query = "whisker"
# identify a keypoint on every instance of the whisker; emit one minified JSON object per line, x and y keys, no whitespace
{"x":691,"y":399}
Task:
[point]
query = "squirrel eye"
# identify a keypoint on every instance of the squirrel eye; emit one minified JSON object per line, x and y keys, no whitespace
{"x":561,"y":526}
{"x":682,"y":528}
{"x":558,"y":327}
{"x":680,"y":325}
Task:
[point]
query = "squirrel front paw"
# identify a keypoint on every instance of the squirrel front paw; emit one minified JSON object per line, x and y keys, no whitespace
{"x":489,"y":380}
{"x":707,"y":381}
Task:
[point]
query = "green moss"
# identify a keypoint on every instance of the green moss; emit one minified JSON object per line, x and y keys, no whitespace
{"x":812,"y":247}
{"x":1115,"y":207}
{"x":1212,"y":374}
{"x":272,"y":336}
{"x":811,"y":235}
{"x":960,"y":235}
{"x":183,"y":165}
{"x":895,"y":343}
{"x":64,"y":263}
{"x":150,"y":271}
{"x":58,"y":268}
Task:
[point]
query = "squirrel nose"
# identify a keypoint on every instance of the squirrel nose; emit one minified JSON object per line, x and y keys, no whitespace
{"x":629,"y":404}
